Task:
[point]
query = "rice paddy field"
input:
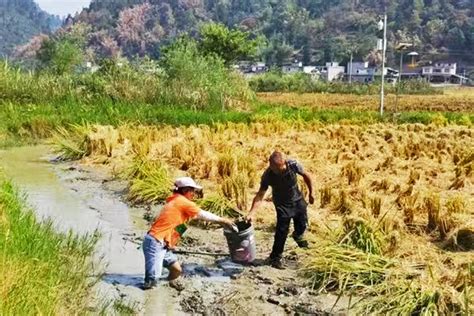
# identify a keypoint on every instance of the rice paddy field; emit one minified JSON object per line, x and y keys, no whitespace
{"x":393,"y":223}
{"x":451,"y":100}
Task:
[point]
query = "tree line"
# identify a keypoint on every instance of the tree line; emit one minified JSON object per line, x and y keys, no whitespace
{"x":312,"y":31}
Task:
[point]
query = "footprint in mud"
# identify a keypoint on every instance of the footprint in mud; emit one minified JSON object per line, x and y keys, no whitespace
{"x":193,"y":303}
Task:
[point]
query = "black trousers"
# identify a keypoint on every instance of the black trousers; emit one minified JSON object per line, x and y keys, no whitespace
{"x":299,"y":215}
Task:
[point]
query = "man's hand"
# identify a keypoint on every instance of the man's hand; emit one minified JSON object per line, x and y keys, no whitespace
{"x":309,"y":184}
{"x":248,"y":218}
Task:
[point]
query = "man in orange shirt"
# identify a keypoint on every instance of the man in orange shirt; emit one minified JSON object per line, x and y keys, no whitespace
{"x":168,"y":228}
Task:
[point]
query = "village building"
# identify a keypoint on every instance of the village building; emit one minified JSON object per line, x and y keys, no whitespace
{"x":443,"y":73}
{"x":292,"y":68}
{"x":312,"y":71}
{"x":251,"y":69}
{"x":438,"y":73}
{"x":361,"y":72}
{"x":332,"y":71}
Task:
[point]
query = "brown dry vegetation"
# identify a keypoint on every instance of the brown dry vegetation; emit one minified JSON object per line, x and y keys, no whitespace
{"x":394,"y":214}
{"x":459,"y":100}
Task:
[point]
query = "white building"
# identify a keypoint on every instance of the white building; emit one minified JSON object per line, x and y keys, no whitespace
{"x":443,"y":73}
{"x":361,"y":68}
{"x":312,"y":71}
{"x":332,"y":71}
{"x":446,"y":69}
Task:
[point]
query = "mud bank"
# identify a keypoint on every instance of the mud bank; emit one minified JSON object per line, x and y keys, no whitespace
{"x":85,"y":198}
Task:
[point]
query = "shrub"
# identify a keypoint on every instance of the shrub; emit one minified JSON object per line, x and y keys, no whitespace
{"x":275,"y":81}
{"x":199,"y":81}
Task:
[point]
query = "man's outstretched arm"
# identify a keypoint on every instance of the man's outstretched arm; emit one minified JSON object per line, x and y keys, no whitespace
{"x":257,"y":201}
{"x":309,"y":184}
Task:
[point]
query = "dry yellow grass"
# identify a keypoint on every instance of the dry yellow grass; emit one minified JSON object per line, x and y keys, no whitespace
{"x":454,"y":100}
{"x":403,"y":164}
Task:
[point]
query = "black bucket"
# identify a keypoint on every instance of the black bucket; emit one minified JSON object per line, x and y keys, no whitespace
{"x":242,"y":243}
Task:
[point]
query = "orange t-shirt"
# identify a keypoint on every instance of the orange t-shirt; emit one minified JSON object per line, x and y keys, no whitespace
{"x":177,"y":210}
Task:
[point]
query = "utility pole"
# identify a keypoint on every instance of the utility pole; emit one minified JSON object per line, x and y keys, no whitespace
{"x":401,"y":47}
{"x":399,"y":83}
{"x":384,"y":48}
{"x":350,"y":69}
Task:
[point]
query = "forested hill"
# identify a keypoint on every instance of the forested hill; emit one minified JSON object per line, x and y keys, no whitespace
{"x":312,"y":30}
{"x":20,"y":20}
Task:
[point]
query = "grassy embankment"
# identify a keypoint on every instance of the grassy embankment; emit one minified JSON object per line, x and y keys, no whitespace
{"x":30,"y":123}
{"x":34,"y":105}
{"x":41,"y":271}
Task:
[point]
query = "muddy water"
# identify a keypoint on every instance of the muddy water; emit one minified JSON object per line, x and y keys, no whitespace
{"x":30,"y":170}
{"x":74,"y":201}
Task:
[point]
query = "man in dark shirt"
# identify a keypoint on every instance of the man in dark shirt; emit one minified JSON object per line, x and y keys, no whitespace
{"x":289,"y":202}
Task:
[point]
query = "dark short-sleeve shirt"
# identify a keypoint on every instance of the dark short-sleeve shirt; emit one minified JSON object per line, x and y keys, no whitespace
{"x":285,"y":188}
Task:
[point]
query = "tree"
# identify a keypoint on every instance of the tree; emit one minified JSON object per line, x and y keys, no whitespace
{"x":138,"y":29}
{"x":60,"y":55}
{"x":277,"y":53}
{"x":20,"y":20}
{"x":230,"y":45}
{"x":199,"y":80}
{"x":435,"y":31}
{"x":64,"y":51}
{"x":318,"y":30}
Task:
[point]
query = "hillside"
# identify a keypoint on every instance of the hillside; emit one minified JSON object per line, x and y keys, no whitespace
{"x":20,"y":20}
{"x":314,"y":31}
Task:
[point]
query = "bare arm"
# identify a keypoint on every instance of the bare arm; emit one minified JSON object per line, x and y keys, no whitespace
{"x":208,"y":216}
{"x":257,"y":201}
{"x":309,"y":184}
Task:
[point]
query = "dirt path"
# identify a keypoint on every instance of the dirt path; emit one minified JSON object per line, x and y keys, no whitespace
{"x":85,"y":198}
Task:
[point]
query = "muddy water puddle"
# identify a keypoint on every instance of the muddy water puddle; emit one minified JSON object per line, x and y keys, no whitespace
{"x":76,"y":200}
{"x":31,"y":171}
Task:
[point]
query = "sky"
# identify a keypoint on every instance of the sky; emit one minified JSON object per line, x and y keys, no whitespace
{"x":62,"y":7}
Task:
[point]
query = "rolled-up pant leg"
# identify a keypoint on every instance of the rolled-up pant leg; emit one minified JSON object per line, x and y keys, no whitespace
{"x":281,"y":233}
{"x":154,"y":253}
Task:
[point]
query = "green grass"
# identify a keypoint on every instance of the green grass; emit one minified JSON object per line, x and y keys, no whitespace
{"x":41,"y":271}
